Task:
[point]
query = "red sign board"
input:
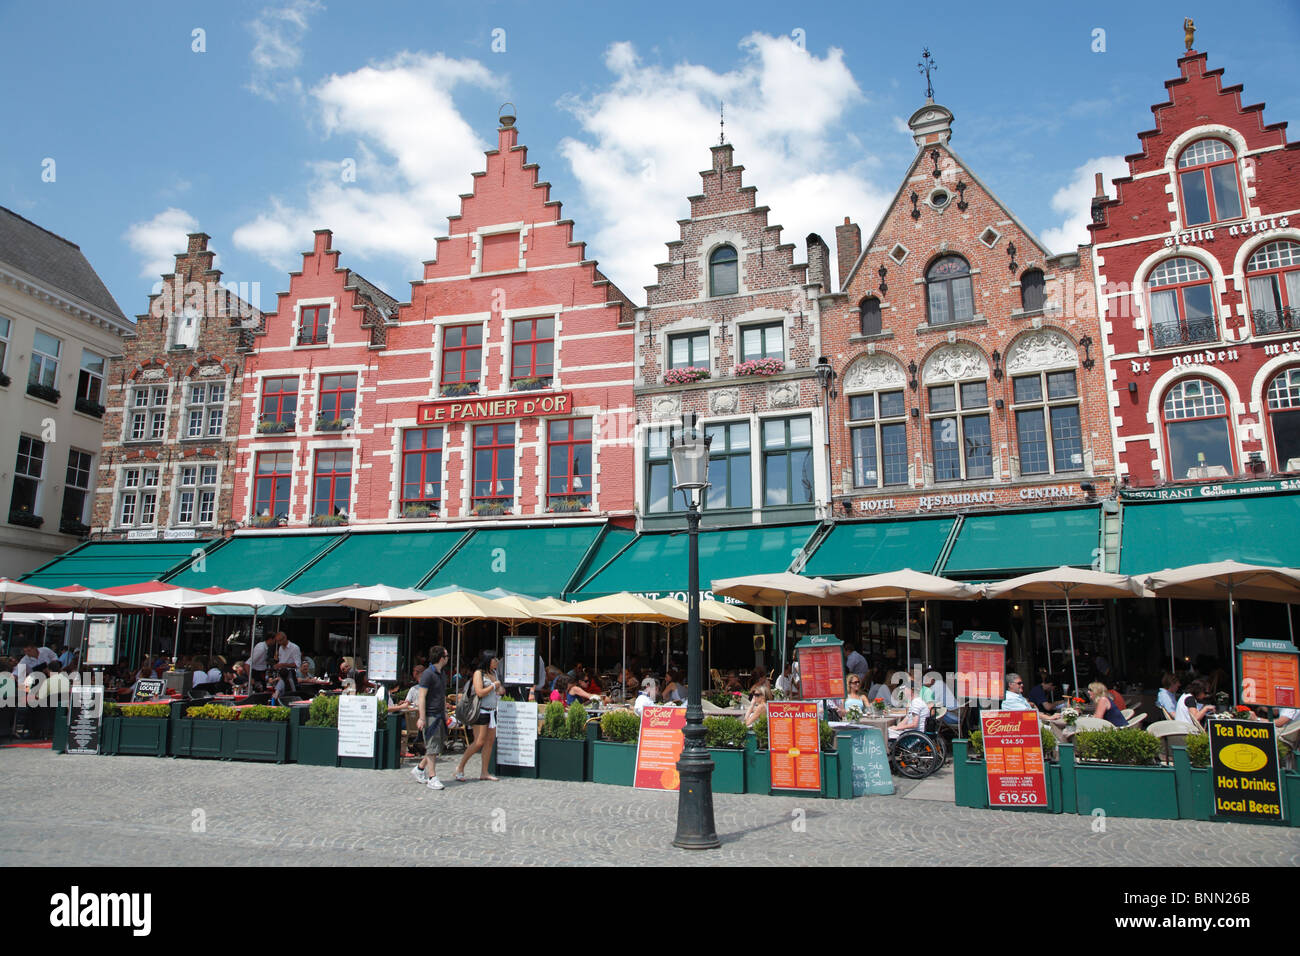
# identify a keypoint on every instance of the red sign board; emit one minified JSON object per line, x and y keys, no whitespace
{"x":472,"y":409}
{"x":794,"y":745}
{"x":1270,"y":679}
{"x":659,"y":747}
{"x":821,"y":672}
{"x":1013,"y":758}
{"x":979,"y":671}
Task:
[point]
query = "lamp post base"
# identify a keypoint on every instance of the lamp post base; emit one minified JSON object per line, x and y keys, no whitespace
{"x":695,"y":827}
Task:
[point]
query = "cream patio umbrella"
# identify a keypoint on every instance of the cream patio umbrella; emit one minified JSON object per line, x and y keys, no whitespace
{"x":29,"y":596}
{"x":1228,"y":579}
{"x":623,"y":608}
{"x":906,"y":584}
{"x":178,"y":599}
{"x":776,"y":590}
{"x":458,"y":608}
{"x":711,"y":613}
{"x":1066,"y":582}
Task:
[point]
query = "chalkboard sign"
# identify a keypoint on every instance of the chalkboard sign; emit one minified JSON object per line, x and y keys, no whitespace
{"x":870,"y":760}
{"x":83,"y":719}
{"x":148,"y":689}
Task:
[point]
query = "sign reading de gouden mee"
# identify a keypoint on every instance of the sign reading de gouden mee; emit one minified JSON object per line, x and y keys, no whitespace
{"x":483,"y":409}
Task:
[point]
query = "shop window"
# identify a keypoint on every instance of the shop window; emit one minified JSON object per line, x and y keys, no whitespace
{"x":878,"y":433}
{"x":1197,"y":433}
{"x":959,"y":431}
{"x":1048,"y":434}
{"x":422,"y":468}
{"x":1033,"y":290}
{"x":869,"y":314}
{"x":569,"y":464}
{"x":724,"y":271}
{"x":1273,"y":274}
{"x":1181,"y":297}
{"x":1283,"y":401}
{"x":787,"y":461}
{"x":950,"y":295}
{"x":1207,"y":179}
{"x":730,"y":483}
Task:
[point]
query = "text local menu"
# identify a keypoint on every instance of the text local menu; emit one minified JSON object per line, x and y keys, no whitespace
{"x":794,"y":742}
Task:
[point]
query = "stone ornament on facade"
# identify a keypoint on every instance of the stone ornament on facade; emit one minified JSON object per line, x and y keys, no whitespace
{"x":951,"y":363}
{"x":782,"y":395}
{"x":874,"y":372}
{"x":666,"y":407}
{"x":724,"y":401}
{"x":1046,"y":348}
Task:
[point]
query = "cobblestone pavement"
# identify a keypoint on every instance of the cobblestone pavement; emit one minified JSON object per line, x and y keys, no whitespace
{"x":129,"y":810}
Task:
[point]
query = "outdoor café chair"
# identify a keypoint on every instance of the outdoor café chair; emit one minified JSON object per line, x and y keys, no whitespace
{"x":1137,"y":721}
{"x":1171,"y":733}
{"x":1093,"y":723}
{"x":1128,"y":713}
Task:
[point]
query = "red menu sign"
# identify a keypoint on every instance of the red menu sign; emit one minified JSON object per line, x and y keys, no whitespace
{"x":1269,"y":679}
{"x":1013,"y":758}
{"x":659,"y":747}
{"x":794,"y":745}
{"x":979,"y":671}
{"x":521,"y":405}
{"x":821,"y":672}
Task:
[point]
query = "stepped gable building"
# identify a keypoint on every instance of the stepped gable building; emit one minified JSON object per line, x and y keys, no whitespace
{"x":501,"y":391}
{"x":1197,"y":262}
{"x":59,"y":326}
{"x":966,"y":353}
{"x":167,"y":466}
{"x":731,"y":333}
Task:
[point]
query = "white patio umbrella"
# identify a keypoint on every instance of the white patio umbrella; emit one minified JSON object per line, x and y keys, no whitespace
{"x":179,"y":599}
{"x":256,"y":599}
{"x":84,"y":600}
{"x":776,"y":590}
{"x":369,"y":598}
{"x":457,"y":607}
{"x":29,"y":595}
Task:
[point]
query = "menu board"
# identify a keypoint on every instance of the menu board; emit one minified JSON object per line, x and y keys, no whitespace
{"x":1244,"y":768}
{"x":981,"y":662}
{"x":870,"y":759}
{"x":521,"y":662}
{"x":821,"y":672}
{"x":358,"y":721}
{"x":1270,"y":673}
{"x":794,"y":745}
{"x":381,"y":660}
{"x":84,"y":718}
{"x":101,"y":640}
{"x":1013,"y":758}
{"x":516,"y":734}
{"x":659,"y":747}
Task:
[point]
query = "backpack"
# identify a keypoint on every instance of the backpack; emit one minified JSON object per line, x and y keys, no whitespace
{"x":467,"y":706}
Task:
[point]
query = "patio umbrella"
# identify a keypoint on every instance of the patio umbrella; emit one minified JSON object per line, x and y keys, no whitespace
{"x":1066,"y":581}
{"x":776,"y":590}
{"x":1229,"y":579}
{"x":85,"y":600}
{"x":369,"y":598}
{"x":256,"y":599}
{"x":623,"y":608}
{"x":29,"y":595}
{"x":158,"y":594}
{"x":458,"y":608}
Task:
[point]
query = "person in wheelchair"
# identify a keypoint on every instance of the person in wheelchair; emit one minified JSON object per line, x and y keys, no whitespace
{"x":918,"y":712}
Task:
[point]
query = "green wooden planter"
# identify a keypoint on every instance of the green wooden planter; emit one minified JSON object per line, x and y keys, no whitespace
{"x":258,"y":740}
{"x":831,"y":776}
{"x":110,"y":735}
{"x":728,"y":770}
{"x":391,"y":750}
{"x":969,"y":786}
{"x":971,"y":789}
{"x":758,"y":768}
{"x":142,"y":736}
{"x":561,"y":759}
{"x":318,"y":746}
{"x":1291,"y":797}
{"x":613,"y":763}
{"x":1146,"y":792}
{"x":59,"y":742}
{"x":200,"y":738}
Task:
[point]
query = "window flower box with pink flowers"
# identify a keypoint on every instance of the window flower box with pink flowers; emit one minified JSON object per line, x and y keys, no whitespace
{"x":684,"y":376}
{"x":763,"y":366}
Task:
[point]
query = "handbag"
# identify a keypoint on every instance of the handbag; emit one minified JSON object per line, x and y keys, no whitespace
{"x":467,"y":706}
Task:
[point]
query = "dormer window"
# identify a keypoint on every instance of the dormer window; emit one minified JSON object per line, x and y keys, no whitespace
{"x":724,"y":271}
{"x":1207,"y":179}
{"x":314,"y":324}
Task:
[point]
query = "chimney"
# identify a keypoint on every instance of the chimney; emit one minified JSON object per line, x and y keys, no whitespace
{"x":848,"y":246}
{"x":819,"y":262}
{"x":1099,"y":202}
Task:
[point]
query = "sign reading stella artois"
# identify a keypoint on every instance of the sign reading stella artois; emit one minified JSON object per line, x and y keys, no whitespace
{"x":482,"y":409}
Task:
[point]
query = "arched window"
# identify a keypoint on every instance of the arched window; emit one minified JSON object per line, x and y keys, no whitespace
{"x":870,"y":315}
{"x":949,"y":292}
{"x":1033,"y":290}
{"x":1181,"y":304}
{"x":1283,"y":400}
{"x":1197,"y":434}
{"x":1207,"y":179}
{"x":1274,"y":276}
{"x":724,"y":271}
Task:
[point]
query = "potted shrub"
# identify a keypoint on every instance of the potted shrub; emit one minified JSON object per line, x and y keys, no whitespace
{"x":328,"y":521}
{"x":562,"y":743}
{"x":139,"y":729}
{"x":725,"y":737}
{"x":685,"y":376}
{"x":763,"y":366}
{"x":613,"y":757}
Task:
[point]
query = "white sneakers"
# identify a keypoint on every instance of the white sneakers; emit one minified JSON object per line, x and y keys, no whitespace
{"x":435,"y":784}
{"x":419,"y":774}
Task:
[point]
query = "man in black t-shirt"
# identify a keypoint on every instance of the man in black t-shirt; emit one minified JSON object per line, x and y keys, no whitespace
{"x":432,"y":721}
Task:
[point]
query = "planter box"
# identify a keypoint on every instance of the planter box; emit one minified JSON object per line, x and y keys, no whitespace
{"x":200,"y":738}
{"x":255,"y":740}
{"x":141,"y":736}
{"x":318,"y":746}
{"x":613,"y":763}
{"x":1147,"y":792}
{"x":971,"y":789}
{"x":374,"y":762}
{"x":758,"y":767}
{"x":561,"y":759}
{"x":59,"y":740}
{"x":728,"y":770}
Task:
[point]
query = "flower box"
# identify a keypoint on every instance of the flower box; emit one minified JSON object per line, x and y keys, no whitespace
{"x":88,"y":407}
{"x":561,"y":759}
{"x":569,"y":505}
{"x":685,"y":376}
{"x":419,"y":511}
{"x":492,"y":508}
{"x":533,"y":384}
{"x":333,"y":425}
{"x":458,"y":389}
{"x":318,"y":746}
{"x":36,"y":390}
{"x":328,"y":521}
{"x":72,"y":526}
{"x":5,"y":380}
{"x":761,"y":367}
{"x":26,"y":519}
{"x":274,"y":427}
{"x":264,"y":521}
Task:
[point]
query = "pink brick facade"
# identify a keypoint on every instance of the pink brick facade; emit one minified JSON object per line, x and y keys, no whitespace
{"x":1195,"y":260}
{"x":960,"y":388}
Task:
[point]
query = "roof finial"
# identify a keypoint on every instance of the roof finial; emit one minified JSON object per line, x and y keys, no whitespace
{"x":722,"y":124}
{"x":925,"y":66}
{"x":1189,"y":33}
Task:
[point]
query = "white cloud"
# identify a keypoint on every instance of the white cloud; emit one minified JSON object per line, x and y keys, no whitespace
{"x":278,"y":33}
{"x":159,"y":239}
{"x":1073,"y":202}
{"x":646,"y":137}
{"x":413,"y":154}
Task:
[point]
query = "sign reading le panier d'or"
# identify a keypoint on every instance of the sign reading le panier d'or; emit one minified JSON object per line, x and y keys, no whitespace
{"x":471,"y":409}
{"x":1244,"y":765}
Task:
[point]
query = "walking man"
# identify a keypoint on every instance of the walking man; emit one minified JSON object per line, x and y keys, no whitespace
{"x":432,"y":722}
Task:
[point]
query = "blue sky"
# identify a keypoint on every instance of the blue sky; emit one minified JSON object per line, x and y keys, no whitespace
{"x":248,"y":140}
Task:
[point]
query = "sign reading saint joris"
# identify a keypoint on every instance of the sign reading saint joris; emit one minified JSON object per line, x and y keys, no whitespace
{"x":483,"y":409}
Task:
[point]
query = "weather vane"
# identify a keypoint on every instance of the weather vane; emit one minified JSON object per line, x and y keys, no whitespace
{"x":722,"y":124}
{"x":925,"y":66}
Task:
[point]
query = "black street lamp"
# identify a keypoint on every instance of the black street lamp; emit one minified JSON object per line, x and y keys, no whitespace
{"x":695,"y":828}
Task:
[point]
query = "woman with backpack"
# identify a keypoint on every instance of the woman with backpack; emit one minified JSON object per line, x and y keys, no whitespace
{"x":487,"y":689}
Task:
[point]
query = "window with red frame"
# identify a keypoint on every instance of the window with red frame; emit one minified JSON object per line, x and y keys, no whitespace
{"x":1196,"y":431}
{"x":331,"y":482}
{"x":338,"y":401}
{"x":494,"y":463}
{"x":462,"y":356}
{"x":1181,"y":299}
{"x":1273,"y":273}
{"x":279,"y":401}
{"x":272,"y":480}
{"x":422,"y":467}
{"x":1284,"y":418}
{"x":532,"y":349}
{"x":313,"y":324}
{"x":569,"y":464}
{"x":1207,"y":178}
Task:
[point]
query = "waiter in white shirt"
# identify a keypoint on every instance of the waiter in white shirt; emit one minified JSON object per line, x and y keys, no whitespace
{"x":32,"y":658}
{"x":257,"y":660}
{"x":288,"y":658}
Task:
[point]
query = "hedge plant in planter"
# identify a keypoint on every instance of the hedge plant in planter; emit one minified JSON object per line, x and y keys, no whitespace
{"x":562,"y":743}
{"x":141,"y":729}
{"x":1198,"y":749}
{"x":233,"y":733}
{"x":1129,"y":746}
{"x":613,"y":757}
{"x":725,"y":738}
{"x":1047,"y":738}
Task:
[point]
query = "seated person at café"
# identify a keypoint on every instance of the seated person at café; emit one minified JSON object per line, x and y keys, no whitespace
{"x":785,"y":682}
{"x":757,"y":705}
{"x":1167,"y":696}
{"x":1285,"y":715}
{"x":855,"y":699}
{"x":239,"y":676}
{"x":879,"y":689}
{"x":225,"y":684}
{"x":937,"y":692}
{"x":1043,"y":696}
{"x":1015,"y":696}
{"x":733,"y":683}
{"x":918,"y":711}
{"x":758,"y":679}
{"x":1105,"y":708}
{"x":592,"y":685}
{"x":647,"y":696}
{"x":1190,"y":710}
{"x":413,"y":695}
{"x":308,"y":667}
{"x":575,"y":691}
{"x":672,"y":689}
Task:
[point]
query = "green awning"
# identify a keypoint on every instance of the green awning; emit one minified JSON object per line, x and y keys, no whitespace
{"x":255,"y":561}
{"x":995,"y":546}
{"x":873,"y":547}
{"x":1172,"y":534}
{"x":400,"y":559}
{"x":656,"y":564}
{"x":534,"y":561}
{"x":108,"y":564}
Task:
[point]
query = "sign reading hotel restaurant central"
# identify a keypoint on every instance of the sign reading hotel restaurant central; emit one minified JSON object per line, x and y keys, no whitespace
{"x":524,"y":405}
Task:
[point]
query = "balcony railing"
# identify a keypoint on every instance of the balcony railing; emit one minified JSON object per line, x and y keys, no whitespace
{"x":1192,"y":332}
{"x":1270,"y":323}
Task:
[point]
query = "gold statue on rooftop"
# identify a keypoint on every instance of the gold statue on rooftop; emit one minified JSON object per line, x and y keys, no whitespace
{"x":1189,"y":33}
